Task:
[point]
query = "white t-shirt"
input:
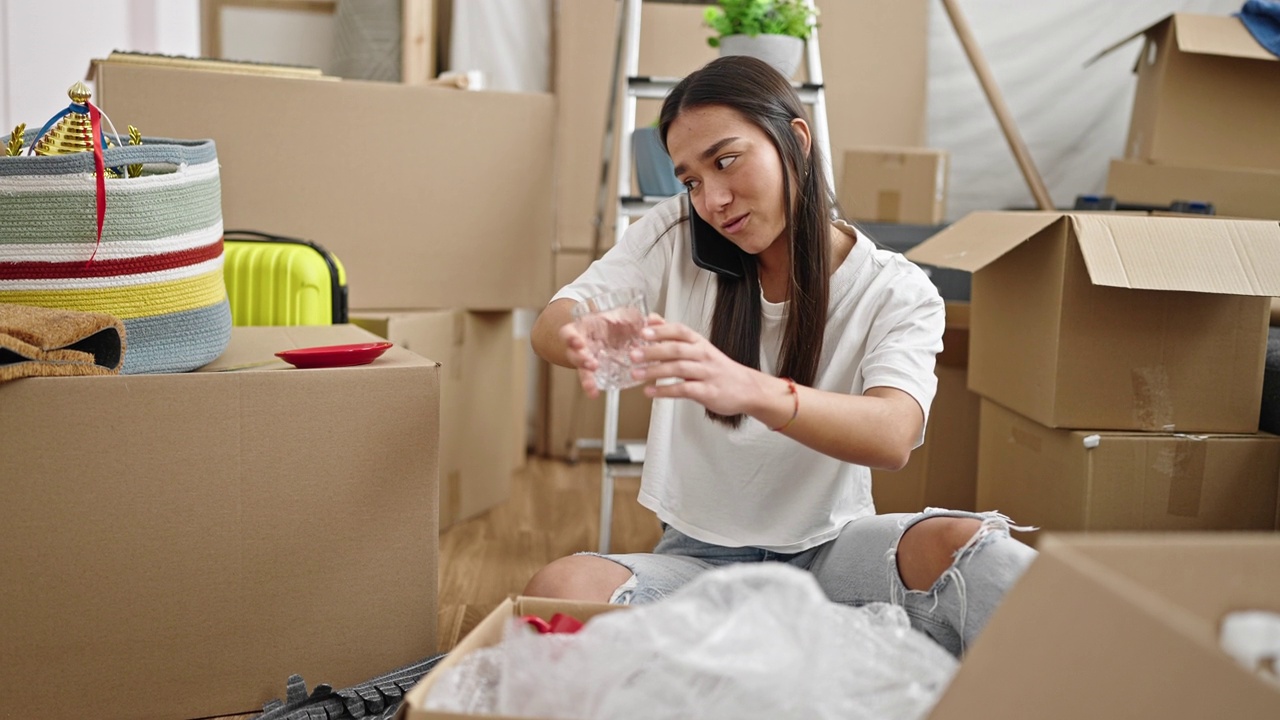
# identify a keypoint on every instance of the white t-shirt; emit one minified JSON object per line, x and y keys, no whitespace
{"x":750,"y":486}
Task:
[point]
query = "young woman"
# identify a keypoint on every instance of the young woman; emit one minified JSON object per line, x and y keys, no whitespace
{"x":776,"y":392}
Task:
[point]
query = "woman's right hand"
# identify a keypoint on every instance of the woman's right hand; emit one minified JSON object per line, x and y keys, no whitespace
{"x":577,"y":352}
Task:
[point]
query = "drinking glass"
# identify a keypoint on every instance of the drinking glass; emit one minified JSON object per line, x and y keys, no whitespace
{"x":611,"y":323}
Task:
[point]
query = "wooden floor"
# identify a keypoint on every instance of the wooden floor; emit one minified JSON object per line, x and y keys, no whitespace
{"x":553,"y":512}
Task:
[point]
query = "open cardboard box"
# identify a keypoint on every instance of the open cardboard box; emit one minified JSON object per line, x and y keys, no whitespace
{"x":1117,"y":322}
{"x":1102,"y":626}
{"x":1208,"y":95}
{"x":178,"y":545}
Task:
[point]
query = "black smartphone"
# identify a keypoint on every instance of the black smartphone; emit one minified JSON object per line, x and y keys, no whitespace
{"x":713,"y":251}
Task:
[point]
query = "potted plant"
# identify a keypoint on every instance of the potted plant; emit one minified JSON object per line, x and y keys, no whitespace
{"x":772,"y":30}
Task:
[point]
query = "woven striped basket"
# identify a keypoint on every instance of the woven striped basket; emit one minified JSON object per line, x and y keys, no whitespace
{"x":158,"y":266}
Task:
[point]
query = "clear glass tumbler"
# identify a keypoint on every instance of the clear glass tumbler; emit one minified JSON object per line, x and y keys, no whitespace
{"x":611,"y":323}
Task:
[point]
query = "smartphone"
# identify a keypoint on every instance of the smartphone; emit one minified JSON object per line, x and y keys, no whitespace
{"x":713,"y":251}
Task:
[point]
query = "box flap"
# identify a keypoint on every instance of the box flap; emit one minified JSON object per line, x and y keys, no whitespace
{"x":1228,"y":257}
{"x":253,"y":349}
{"x":1121,"y":43}
{"x":1218,"y":35}
{"x":980,"y":238}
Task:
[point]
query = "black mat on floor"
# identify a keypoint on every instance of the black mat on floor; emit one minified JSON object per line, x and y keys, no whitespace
{"x":376,"y":699}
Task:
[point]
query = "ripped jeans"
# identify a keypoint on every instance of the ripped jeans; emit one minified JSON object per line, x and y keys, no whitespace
{"x":860,"y":567}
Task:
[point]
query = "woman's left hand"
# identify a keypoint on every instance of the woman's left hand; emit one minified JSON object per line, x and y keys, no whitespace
{"x":710,"y":377}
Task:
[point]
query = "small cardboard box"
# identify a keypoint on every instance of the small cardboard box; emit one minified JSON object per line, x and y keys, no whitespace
{"x":943,"y":472}
{"x":896,"y":185}
{"x":487,"y":633}
{"x":1208,"y":95}
{"x":179,"y":545}
{"x":1080,"y":480}
{"x":479,"y":428}
{"x":1110,"y":627}
{"x":430,"y":197}
{"x":1117,"y":322}
{"x":1234,"y":192}
{"x":1122,"y":627}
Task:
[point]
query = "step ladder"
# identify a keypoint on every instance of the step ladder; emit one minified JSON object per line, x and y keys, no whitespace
{"x":626,"y":458}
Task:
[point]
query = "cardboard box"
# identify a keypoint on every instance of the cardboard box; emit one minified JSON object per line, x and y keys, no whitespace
{"x":1113,"y":627}
{"x":889,"y":35}
{"x":895,"y":185}
{"x":1117,"y":322}
{"x":481,"y":413}
{"x":430,"y":197}
{"x":1122,"y":627}
{"x":1082,"y":480}
{"x":943,"y":472}
{"x":1234,"y":192}
{"x":1208,"y":95}
{"x":178,"y":545}
{"x":487,"y":633}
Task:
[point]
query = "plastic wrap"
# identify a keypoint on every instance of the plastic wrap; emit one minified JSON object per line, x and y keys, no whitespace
{"x":747,"y":641}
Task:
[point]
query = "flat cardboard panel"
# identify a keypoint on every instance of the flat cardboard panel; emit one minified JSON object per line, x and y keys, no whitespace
{"x":899,"y":185}
{"x":1128,"y":481}
{"x":383,"y":175}
{"x":1119,"y":626}
{"x":479,"y":422}
{"x":1207,"y":96}
{"x":979,"y":239}
{"x":178,"y":545}
{"x":1234,"y":192}
{"x":942,"y":472}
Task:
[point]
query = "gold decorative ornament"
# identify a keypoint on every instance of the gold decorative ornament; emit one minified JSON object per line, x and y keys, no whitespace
{"x":14,"y":148}
{"x":73,"y":133}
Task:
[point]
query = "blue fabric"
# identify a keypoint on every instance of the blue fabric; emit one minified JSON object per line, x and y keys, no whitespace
{"x":1262,"y":18}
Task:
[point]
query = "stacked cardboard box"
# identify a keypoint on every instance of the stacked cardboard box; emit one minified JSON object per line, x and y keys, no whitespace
{"x":386,"y":177}
{"x":179,"y":545}
{"x":1203,"y":125}
{"x":1120,"y":360}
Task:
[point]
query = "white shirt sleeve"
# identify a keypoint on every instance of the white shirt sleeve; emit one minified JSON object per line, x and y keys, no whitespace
{"x":906,"y":340}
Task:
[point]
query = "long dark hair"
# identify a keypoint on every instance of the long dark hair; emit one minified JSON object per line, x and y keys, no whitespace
{"x":763,"y":97}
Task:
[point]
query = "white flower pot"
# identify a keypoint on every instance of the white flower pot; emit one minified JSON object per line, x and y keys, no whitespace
{"x":783,"y":52}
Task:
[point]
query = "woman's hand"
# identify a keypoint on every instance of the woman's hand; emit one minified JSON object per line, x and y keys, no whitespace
{"x":579,"y":354}
{"x":710,"y":377}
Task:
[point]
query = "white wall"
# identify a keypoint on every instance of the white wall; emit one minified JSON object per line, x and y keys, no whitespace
{"x":508,"y":40}
{"x":1073,"y":119}
{"x":46,"y":45}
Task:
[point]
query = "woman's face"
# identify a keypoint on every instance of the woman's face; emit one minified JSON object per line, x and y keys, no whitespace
{"x":733,"y":173}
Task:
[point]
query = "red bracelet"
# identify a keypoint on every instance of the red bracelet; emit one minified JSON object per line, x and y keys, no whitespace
{"x":791,"y":387}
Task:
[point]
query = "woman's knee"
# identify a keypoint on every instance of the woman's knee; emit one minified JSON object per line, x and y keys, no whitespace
{"x":578,"y":577}
{"x":929,"y":547}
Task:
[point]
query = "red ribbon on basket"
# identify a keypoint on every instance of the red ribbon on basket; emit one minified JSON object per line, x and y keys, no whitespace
{"x":560,"y":623}
{"x":100,"y":165}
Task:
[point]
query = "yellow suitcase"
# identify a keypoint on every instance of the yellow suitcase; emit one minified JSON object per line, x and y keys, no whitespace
{"x":276,"y":280}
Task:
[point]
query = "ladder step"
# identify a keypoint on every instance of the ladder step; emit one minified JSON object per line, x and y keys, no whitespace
{"x":635,"y":205}
{"x":653,"y":87}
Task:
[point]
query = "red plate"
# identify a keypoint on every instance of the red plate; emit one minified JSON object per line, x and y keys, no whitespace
{"x":334,"y":355}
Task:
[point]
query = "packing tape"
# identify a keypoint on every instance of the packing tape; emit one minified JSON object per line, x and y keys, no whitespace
{"x":1152,"y":407}
{"x":1182,"y":461}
